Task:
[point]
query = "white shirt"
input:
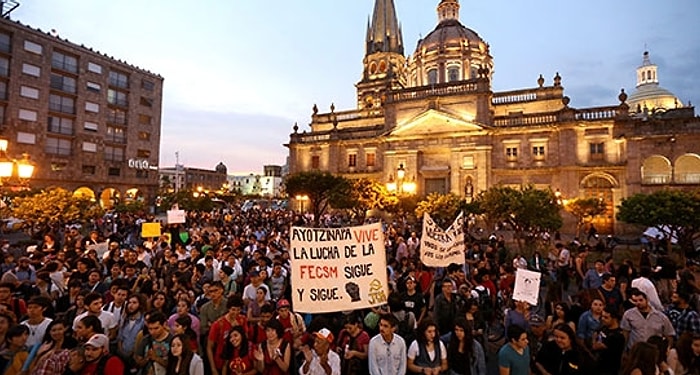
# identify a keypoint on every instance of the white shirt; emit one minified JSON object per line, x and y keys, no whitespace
{"x":315,"y":367}
{"x":106,"y":318}
{"x":413,"y":351}
{"x":36,"y":331}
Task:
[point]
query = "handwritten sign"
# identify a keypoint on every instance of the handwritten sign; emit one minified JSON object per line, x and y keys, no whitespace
{"x":527,"y":286}
{"x":150,"y":230}
{"x":440,"y":248}
{"x":338,"y":269}
{"x":175,"y":216}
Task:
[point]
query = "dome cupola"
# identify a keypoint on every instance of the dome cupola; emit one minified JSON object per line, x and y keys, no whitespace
{"x":449,"y":53}
{"x":649,"y":96}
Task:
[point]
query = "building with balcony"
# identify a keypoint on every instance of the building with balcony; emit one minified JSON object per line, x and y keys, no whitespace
{"x":430,"y":122}
{"x":91,"y":123}
{"x":187,"y":178}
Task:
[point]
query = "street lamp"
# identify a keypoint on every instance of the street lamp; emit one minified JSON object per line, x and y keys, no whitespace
{"x":22,"y":169}
{"x":401,"y":185}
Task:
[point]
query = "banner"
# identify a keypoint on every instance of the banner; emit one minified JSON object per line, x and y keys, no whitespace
{"x":527,"y":286}
{"x":175,"y":216}
{"x":440,"y":248}
{"x":338,"y":269}
{"x":150,"y":230}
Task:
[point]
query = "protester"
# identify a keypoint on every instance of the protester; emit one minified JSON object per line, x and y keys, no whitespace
{"x":181,"y":359}
{"x":387,"y":351}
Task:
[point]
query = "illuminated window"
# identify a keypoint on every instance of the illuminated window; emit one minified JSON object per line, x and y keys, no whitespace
{"x":371,"y":159}
{"x":143,"y":153}
{"x":315,"y":162}
{"x":145,"y":136}
{"x":115,"y":135}
{"x":511,"y":153}
{"x":538,"y":152}
{"x":352,"y":160}
{"x":145,"y":119}
{"x":116,"y":116}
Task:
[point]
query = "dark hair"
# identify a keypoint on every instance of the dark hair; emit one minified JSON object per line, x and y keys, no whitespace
{"x":468,"y":340}
{"x":643,"y":356}
{"x":606,"y":277}
{"x":568,"y":331}
{"x":186,"y":321}
{"x":93,"y":322}
{"x":423,"y":326}
{"x":514,"y":332}
{"x":186,"y":356}
{"x":229,"y":351}
{"x":233,"y":301}
{"x":16,"y":331}
{"x":389,"y":318}
{"x":277,"y":326}
{"x":637,"y":292}
{"x":684,"y":347}
{"x":92,"y":297}
{"x":614,"y":313}
{"x":47,"y":339}
{"x":661,"y":344}
{"x":267,"y":308}
{"x":156,"y":316}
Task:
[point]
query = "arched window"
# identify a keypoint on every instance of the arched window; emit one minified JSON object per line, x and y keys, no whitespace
{"x":649,"y":74}
{"x":656,"y":169}
{"x":453,"y":74}
{"x":687,"y":169}
{"x":432,"y":76}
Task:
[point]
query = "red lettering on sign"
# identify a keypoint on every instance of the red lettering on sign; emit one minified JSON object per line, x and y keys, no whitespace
{"x":318,"y":272}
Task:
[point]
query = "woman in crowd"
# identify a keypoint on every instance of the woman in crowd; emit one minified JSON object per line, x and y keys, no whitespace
{"x":642,"y":360}
{"x":255,"y":305}
{"x":560,"y":316}
{"x":159,"y":302}
{"x":86,"y":327}
{"x":183,"y":308}
{"x":274,"y":355}
{"x":475,"y":320}
{"x":53,"y":354}
{"x":465,"y":355}
{"x":182,"y":360}
{"x":564,"y":355}
{"x":688,"y":350}
{"x":661,"y":344}
{"x":78,"y":306}
{"x":427,"y":354}
{"x":183,"y":326}
{"x":237,"y":353}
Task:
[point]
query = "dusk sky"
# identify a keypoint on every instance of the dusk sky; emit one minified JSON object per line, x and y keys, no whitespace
{"x":239,"y":73}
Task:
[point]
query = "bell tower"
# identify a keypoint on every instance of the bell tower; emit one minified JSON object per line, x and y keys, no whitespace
{"x":384,"y":64}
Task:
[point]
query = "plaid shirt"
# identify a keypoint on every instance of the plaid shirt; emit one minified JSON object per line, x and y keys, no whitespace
{"x":685,"y":320}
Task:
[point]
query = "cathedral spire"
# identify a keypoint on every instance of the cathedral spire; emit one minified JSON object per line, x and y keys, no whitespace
{"x":384,"y":33}
{"x":448,"y":10}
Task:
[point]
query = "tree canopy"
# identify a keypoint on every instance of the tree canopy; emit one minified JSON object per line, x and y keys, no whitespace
{"x":442,"y":208}
{"x":364,"y":195}
{"x":583,"y":209}
{"x":322,"y":188}
{"x":673,"y":212}
{"x":53,"y":206}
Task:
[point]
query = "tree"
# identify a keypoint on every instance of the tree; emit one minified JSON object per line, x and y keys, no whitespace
{"x":365,"y":195}
{"x":322,"y":189}
{"x":186,"y":200}
{"x":442,"y":208}
{"x":674,"y":213}
{"x":526,"y":210}
{"x":583,"y":209}
{"x":53,"y":207}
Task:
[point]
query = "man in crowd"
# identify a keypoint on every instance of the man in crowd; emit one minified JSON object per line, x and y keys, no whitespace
{"x":320,"y":361}
{"x":683,"y":317}
{"x":36,"y":321}
{"x":387,"y":351}
{"x":93,"y":305}
{"x":514,"y":355}
{"x":609,"y":342}
{"x":643,"y":321}
{"x":98,"y":359}
{"x":152,"y":353}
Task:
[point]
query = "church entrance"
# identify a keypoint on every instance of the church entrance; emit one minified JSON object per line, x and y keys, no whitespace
{"x":435,"y":185}
{"x":601,"y":188}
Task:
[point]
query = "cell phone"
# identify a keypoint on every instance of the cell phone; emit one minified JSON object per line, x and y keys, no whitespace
{"x":278,"y":352}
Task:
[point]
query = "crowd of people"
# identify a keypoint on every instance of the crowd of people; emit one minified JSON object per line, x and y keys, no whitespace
{"x":213,"y":296}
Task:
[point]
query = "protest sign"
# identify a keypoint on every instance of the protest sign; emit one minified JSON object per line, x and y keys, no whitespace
{"x":338,"y":269}
{"x":150,"y":230}
{"x":175,"y":216}
{"x":440,"y":248}
{"x":527,"y":286}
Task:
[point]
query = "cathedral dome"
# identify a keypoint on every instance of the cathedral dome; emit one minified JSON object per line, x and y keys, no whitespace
{"x":451,"y":52}
{"x":649,"y":95}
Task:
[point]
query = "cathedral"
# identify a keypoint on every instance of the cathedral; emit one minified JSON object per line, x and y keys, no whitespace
{"x":430,"y":122}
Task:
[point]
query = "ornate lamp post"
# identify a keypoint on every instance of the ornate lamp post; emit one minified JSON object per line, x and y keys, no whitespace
{"x":22,"y":169}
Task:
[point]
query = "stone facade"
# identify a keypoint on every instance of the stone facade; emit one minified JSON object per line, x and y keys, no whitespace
{"x":455,"y":135}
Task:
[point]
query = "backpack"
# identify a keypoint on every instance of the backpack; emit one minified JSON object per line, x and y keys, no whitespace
{"x":483,"y":298}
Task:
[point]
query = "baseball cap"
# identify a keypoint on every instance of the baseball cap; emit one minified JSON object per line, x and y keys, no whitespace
{"x":98,"y":341}
{"x":282,"y":303}
{"x":325,"y":334}
{"x":536,"y":320}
